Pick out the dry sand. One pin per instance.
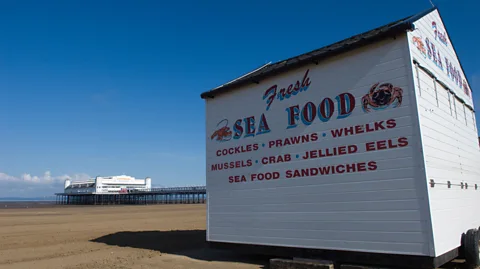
(138, 237)
(163, 236)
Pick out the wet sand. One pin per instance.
(163, 236)
(27, 204)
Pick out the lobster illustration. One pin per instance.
(223, 133)
(420, 46)
(382, 96)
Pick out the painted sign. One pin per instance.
(440, 35)
(313, 147)
(432, 43)
(285, 93)
(380, 96)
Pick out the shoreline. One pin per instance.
(27, 204)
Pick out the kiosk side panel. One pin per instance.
(449, 132)
(321, 157)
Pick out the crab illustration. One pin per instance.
(382, 96)
(420, 46)
(223, 133)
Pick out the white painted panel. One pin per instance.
(364, 246)
(364, 236)
(449, 137)
(356, 201)
(331, 197)
(428, 49)
(352, 226)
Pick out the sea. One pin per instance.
(17, 203)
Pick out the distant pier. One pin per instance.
(176, 195)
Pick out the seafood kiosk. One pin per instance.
(362, 152)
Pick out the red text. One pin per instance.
(265, 176)
(293, 140)
(328, 152)
(237, 150)
(386, 144)
(364, 128)
(332, 169)
(237, 179)
(231, 165)
(277, 159)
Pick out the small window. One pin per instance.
(473, 120)
(455, 106)
(418, 80)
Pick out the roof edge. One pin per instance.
(246, 74)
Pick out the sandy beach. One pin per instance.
(163, 236)
(41, 236)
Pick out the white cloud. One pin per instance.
(76, 177)
(27, 185)
(46, 178)
(5, 177)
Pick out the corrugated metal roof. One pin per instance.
(317, 55)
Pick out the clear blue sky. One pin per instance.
(108, 87)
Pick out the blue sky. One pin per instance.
(107, 87)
